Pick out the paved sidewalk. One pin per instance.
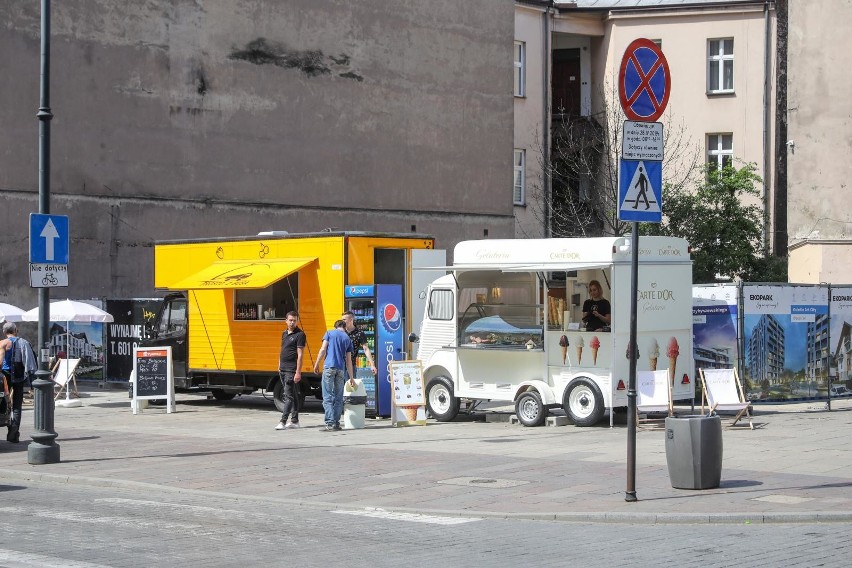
(795, 466)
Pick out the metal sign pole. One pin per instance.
(43, 449)
(632, 348)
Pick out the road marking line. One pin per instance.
(15, 559)
(411, 517)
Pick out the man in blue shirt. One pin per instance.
(338, 352)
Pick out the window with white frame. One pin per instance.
(720, 65)
(520, 69)
(520, 164)
(720, 150)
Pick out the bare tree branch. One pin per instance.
(583, 169)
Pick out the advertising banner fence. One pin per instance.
(788, 341)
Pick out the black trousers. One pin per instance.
(290, 396)
(17, 401)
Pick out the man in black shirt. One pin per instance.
(290, 371)
(359, 339)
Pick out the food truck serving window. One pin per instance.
(272, 302)
(512, 326)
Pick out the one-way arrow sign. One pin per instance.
(49, 234)
(48, 239)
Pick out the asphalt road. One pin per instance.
(48, 525)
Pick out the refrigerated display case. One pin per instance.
(364, 309)
(378, 313)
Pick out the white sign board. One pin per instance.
(642, 141)
(408, 395)
(48, 275)
(153, 376)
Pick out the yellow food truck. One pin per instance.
(225, 315)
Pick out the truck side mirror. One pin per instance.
(412, 337)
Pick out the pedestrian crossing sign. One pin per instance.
(640, 191)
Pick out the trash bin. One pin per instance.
(694, 451)
(354, 403)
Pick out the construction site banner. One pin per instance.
(841, 341)
(715, 315)
(786, 341)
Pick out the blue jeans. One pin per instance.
(332, 394)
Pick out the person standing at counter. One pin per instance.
(596, 310)
(359, 339)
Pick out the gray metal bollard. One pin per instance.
(694, 451)
(43, 449)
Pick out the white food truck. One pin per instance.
(506, 325)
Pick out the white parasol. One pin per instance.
(8, 312)
(68, 311)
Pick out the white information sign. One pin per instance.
(642, 141)
(48, 275)
(409, 400)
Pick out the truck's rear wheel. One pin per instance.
(583, 402)
(530, 410)
(220, 394)
(440, 402)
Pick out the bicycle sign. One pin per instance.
(644, 81)
(48, 275)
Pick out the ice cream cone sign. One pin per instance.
(563, 345)
(595, 344)
(410, 412)
(653, 354)
(580, 344)
(672, 353)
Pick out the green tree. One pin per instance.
(724, 230)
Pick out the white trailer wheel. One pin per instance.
(440, 401)
(530, 410)
(584, 403)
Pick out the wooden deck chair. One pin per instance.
(722, 390)
(654, 394)
(65, 372)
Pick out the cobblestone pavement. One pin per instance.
(796, 466)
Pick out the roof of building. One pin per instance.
(616, 4)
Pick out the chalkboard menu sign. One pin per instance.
(152, 370)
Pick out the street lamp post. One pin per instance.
(43, 449)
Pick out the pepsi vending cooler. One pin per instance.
(378, 313)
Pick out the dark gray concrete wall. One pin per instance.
(184, 119)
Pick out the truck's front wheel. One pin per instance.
(278, 394)
(441, 403)
(583, 402)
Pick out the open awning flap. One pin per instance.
(241, 274)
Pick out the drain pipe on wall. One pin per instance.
(766, 117)
(546, 126)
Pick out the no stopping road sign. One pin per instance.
(644, 81)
